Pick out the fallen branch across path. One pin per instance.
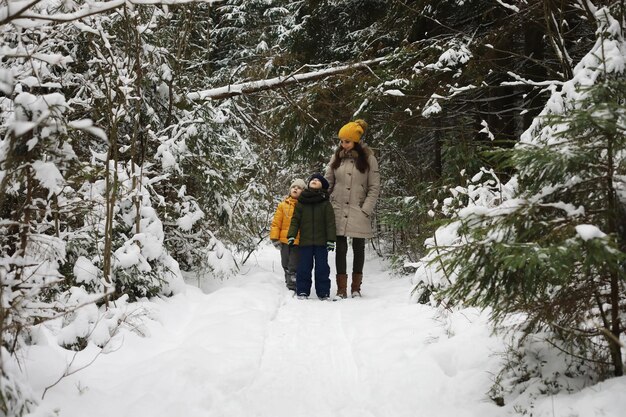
(232, 90)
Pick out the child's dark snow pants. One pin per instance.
(308, 255)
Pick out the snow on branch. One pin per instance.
(519, 80)
(17, 10)
(509, 6)
(232, 90)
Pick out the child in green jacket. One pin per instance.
(314, 218)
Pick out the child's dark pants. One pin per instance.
(309, 255)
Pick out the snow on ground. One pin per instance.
(245, 347)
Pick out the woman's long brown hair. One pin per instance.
(361, 160)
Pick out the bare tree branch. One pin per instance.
(233, 90)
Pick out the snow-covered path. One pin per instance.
(331, 359)
(247, 348)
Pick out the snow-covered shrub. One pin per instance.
(536, 366)
(483, 192)
(16, 397)
(220, 261)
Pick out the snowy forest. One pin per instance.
(146, 142)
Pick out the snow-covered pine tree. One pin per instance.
(37, 201)
(556, 251)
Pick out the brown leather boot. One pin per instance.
(357, 278)
(342, 285)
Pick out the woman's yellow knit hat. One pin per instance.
(353, 131)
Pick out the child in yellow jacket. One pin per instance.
(289, 255)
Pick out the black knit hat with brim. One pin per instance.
(320, 177)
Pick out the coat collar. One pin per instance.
(354, 154)
(290, 200)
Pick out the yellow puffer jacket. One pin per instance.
(282, 220)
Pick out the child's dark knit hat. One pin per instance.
(320, 177)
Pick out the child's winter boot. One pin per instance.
(290, 280)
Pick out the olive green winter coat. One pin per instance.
(314, 218)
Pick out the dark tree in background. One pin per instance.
(472, 76)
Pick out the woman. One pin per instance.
(354, 185)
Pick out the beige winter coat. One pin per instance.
(353, 194)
